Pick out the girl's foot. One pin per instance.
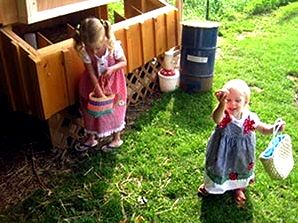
(240, 197)
(116, 143)
(202, 191)
(89, 143)
(112, 146)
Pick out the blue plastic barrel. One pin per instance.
(197, 55)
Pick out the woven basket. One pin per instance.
(98, 107)
(277, 158)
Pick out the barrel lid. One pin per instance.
(202, 24)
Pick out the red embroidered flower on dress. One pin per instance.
(225, 121)
(248, 125)
(233, 176)
(250, 166)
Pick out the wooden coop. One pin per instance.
(39, 68)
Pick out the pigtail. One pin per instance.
(77, 38)
(108, 33)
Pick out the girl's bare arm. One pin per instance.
(267, 129)
(94, 79)
(120, 63)
(218, 112)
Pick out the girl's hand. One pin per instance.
(221, 95)
(98, 92)
(109, 71)
(282, 126)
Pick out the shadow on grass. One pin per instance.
(222, 208)
(188, 111)
(79, 196)
(192, 111)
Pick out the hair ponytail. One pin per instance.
(108, 33)
(77, 37)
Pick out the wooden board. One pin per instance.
(32, 11)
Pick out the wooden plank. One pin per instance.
(121, 36)
(103, 12)
(28, 75)
(179, 13)
(42, 41)
(74, 68)
(4, 42)
(8, 12)
(141, 18)
(129, 12)
(23, 103)
(152, 4)
(28, 10)
(134, 47)
(148, 43)
(118, 17)
(70, 30)
(49, 4)
(171, 24)
(52, 83)
(9, 56)
(160, 35)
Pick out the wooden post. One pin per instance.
(179, 6)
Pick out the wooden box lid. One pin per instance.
(31, 11)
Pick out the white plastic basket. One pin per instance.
(277, 158)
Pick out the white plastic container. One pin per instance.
(169, 83)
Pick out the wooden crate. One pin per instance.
(41, 77)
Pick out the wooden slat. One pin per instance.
(103, 12)
(20, 57)
(171, 29)
(118, 17)
(52, 83)
(160, 35)
(4, 43)
(34, 88)
(70, 30)
(121, 36)
(42, 41)
(148, 43)
(152, 4)
(179, 13)
(28, 11)
(49, 4)
(28, 76)
(134, 47)
(128, 10)
(74, 68)
(8, 12)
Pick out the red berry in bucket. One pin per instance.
(167, 72)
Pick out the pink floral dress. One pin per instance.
(110, 123)
(230, 156)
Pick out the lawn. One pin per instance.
(155, 175)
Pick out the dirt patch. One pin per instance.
(28, 161)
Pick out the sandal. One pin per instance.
(239, 197)
(111, 147)
(202, 191)
(81, 147)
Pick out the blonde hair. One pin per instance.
(240, 86)
(94, 31)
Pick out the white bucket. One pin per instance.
(169, 83)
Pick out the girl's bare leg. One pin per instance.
(116, 140)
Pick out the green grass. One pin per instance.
(162, 159)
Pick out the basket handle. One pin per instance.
(277, 125)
